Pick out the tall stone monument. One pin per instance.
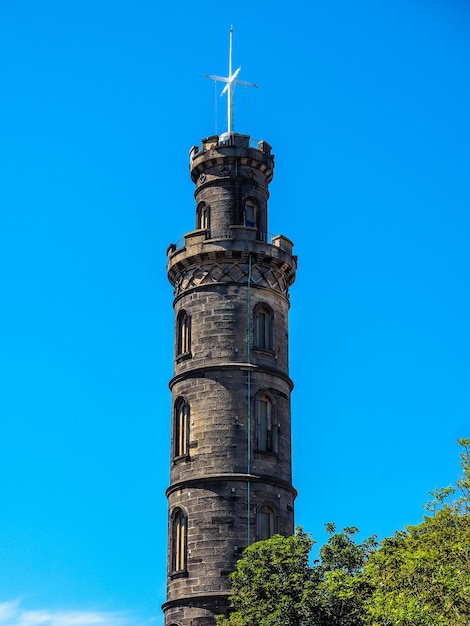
(230, 465)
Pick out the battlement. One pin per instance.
(233, 154)
(238, 233)
(230, 139)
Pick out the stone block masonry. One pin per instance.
(230, 449)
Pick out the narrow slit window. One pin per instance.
(179, 542)
(183, 333)
(267, 433)
(203, 214)
(263, 327)
(181, 428)
(250, 213)
(265, 523)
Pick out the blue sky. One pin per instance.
(366, 105)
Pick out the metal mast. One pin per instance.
(230, 82)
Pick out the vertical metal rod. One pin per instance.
(249, 400)
(230, 87)
(230, 81)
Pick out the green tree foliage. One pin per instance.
(271, 584)
(341, 590)
(418, 577)
(421, 576)
(274, 585)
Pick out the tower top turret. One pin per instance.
(230, 81)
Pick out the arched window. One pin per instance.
(202, 216)
(179, 541)
(183, 333)
(266, 438)
(263, 327)
(265, 522)
(250, 216)
(180, 428)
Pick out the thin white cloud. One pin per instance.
(13, 614)
(7, 611)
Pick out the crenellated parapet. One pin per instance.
(235, 259)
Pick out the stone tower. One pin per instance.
(230, 476)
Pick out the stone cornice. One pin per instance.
(194, 481)
(221, 267)
(199, 372)
(194, 599)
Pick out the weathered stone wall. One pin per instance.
(228, 174)
(219, 425)
(222, 328)
(223, 481)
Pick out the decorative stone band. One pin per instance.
(194, 481)
(230, 273)
(270, 274)
(200, 372)
(196, 599)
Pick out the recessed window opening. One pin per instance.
(263, 327)
(266, 431)
(179, 541)
(265, 522)
(203, 215)
(181, 428)
(250, 213)
(183, 333)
